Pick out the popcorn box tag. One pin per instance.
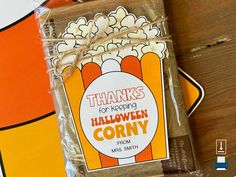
(117, 98)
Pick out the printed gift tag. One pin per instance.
(117, 97)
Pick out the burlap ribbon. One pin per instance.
(98, 38)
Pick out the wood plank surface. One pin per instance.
(204, 34)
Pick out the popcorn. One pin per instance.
(118, 20)
(119, 14)
(86, 29)
(68, 44)
(73, 27)
(158, 48)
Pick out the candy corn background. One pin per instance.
(29, 137)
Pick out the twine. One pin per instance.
(92, 41)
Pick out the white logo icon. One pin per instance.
(221, 147)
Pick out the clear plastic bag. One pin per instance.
(60, 24)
